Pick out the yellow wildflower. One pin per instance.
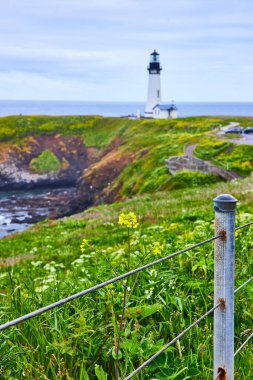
(129, 220)
(157, 248)
(83, 245)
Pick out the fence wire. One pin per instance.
(242, 286)
(244, 344)
(218, 375)
(99, 286)
(120, 277)
(172, 342)
(243, 226)
(182, 334)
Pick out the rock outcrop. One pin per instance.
(179, 163)
(96, 185)
(74, 157)
(12, 177)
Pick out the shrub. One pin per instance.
(185, 179)
(44, 163)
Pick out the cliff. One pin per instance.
(111, 159)
(17, 162)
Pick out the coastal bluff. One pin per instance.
(17, 170)
(110, 159)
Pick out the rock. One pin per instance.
(179, 163)
(74, 157)
(96, 184)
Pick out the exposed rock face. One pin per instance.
(94, 187)
(179, 163)
(13, 177)
(74, 157)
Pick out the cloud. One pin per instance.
(105, 43)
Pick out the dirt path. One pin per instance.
(189, 150)
(229, 174)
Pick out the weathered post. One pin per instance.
(224, 258)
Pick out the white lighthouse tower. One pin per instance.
(154, 84)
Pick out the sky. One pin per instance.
(98, 50)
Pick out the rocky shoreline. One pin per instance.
(20, 209)
(28, 196)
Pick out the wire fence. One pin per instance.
(224, 239)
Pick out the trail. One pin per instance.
(216, 170)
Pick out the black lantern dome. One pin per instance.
(154, 64)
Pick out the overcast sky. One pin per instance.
(99, 49)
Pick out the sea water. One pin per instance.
(117, 109)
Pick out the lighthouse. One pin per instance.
(154, 84)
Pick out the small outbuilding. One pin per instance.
(165, 111)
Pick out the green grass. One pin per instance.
(151, 142)
(68, 342)
(45, 263)
(96, 130)
(210, 148)
(46, 162)
(240, 159)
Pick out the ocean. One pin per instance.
(116, 109)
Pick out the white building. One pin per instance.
(154, 98)
(165, 111)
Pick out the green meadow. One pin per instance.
(108, 333)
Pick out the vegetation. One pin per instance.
(151, 142)
(240, 159)
(14, 128)
(211, 148)
(46, 162)
(108, 333)
(189, 179)
(79, 340)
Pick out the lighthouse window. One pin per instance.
(158, 93)
(154, 58)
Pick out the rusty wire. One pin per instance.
(99, 286)
(244, 344)
(171, 342)
(218, 375)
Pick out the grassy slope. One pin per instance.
(48, 263)
(151, 141)
(66, 344)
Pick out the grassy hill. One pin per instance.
(46, 263)
(136, 148)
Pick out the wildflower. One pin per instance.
(149, 293)
(50, 266)
(153, 273)
(237, 233)
(129, 220)
(36, 263)
(41, 288)
(77, 262)
(83, 245)
(157, 248)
